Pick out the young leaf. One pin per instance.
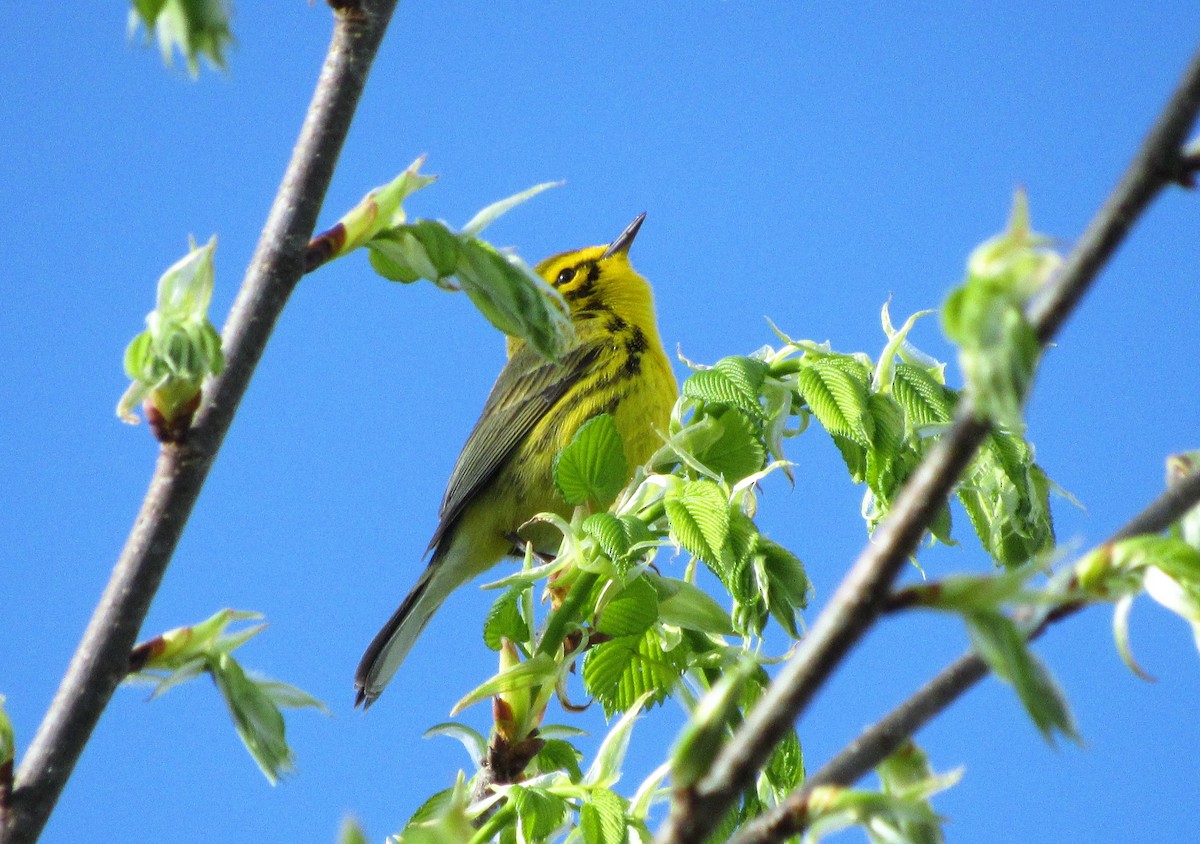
(733, 382)
(631, 612)
(605, 770)
(705, 731)
(592, 468)
(1002, 646)
(255, 717)
(474, 741)
(699, 515)
(536, 671)
(785, 768)
(736, 449)
(836, 392)
(539, 812)
(685, 605)
(925, 400)
(616, 535)
(621, 671)
(493, 212)
(559, 755)
(602, 818)
(504, 620)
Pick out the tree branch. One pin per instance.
(882, 739)
(858, 600)
(102, 657)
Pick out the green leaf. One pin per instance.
(787, 583)
(924, 399)
(735, 450)
(351, 832)
(196, 30)
(616, 535)
(256, 718)
(514, 298)
(8, 742)
(836, 390)
(785, 768)
(474, 741)
(605, 769)
(602, 818)
(685, 605)
(619, 672)
(1002, 646)
(504, 620)
(704, 734)
(493, 212)
(1007, 498)
(699, 515)
(631, 612)
(733, 381)
(592, 468)
(539, 812)
(855, 457)
(535, 671)
(559, 755)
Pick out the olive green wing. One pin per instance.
(526, 389)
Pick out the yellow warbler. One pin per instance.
(503, 476)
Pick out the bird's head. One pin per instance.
(598, 282)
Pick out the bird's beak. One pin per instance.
(624, 239)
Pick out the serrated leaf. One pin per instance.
(592, 468)
(602, 818)
(630, 612)
(685, 605)
(887, 424)
(618, 672)
(699, 515)
(616, 535)
(837, 398)
(1002, 646)
(925, 401)
(504, 620)
(854, 456)
(787, 583)
(733, 382)
(609, 533)
(539, 812)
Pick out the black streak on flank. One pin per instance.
(636, 344)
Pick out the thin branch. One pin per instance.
(882, 739)
(858, 600)
(102, 658)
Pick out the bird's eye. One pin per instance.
(565, 275)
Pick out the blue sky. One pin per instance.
(794, 161)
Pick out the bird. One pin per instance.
(504, 474)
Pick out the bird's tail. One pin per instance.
(391, 645)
